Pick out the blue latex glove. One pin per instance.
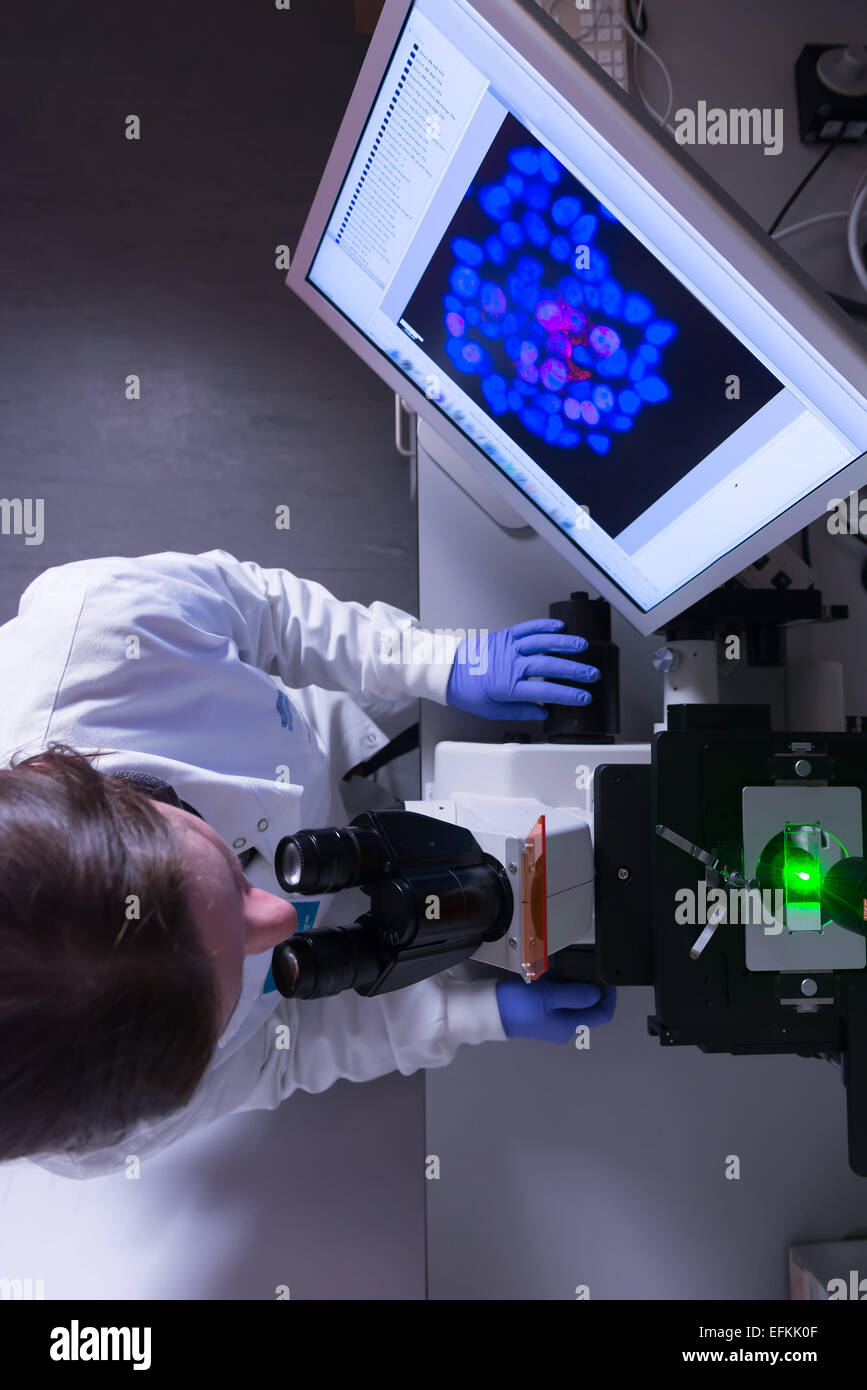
(552, 1010)
(499, 679)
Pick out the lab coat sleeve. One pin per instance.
(296, 630)
(348, 1036)
(307, 1045)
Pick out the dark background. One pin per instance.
(668, 437)
(157, 257)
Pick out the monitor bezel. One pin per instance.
(689, 189)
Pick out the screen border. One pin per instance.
(690, 191)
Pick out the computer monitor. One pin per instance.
(596, 328)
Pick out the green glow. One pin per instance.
(800, 872)
(795, 860)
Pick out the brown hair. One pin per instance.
(106, 1018)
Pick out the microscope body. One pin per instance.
(720, 864)
(530, 806)
(582, 856)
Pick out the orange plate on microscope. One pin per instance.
(534, 903)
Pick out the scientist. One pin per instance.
(165, 722)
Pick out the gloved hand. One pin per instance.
(552, 1010)
(498, 682)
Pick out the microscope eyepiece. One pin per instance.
(327, 860)
(435, 897)
(313, 964)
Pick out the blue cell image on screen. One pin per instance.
(534, 310)
(575, 340)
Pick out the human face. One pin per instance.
(233, 918)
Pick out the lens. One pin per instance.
(328, 960)
(291, 864)
(288, 975)
(324, 861)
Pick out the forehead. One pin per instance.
(206, 860)
(215, 904)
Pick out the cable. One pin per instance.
(635, 28)
(637, 22)
(809, 222)
(855, 255)
(853, 216)
(802, 185)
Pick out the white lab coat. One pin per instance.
(251, 692)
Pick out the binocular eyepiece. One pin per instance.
(435, 896)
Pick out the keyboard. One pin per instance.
(601, 31)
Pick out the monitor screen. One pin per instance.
(552, 305)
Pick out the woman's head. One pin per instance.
(124, 924)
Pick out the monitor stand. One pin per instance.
(468, 480)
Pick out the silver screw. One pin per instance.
(664, 659)
(513, 868)
(808, 987)
(803, 768)
(513, 942)
(623, 874)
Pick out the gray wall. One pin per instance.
(157, 258)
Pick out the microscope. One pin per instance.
(721, 862)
